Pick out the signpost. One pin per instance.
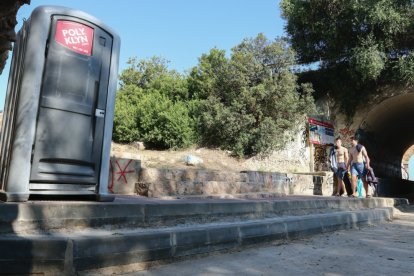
(321, 133)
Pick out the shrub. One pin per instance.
(153, 117)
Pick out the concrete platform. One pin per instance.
(60, 237)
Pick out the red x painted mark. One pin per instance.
(123, 172)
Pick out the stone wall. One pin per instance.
(298, 155)
(8, 12)
(294, 157)
(125, 174)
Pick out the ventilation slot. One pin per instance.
(67, 162)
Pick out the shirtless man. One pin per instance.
(359, 168)
(342, 157)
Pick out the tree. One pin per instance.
(359, 44)
(153, 105)
(244, 103)
(251, 98)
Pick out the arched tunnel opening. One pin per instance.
(387, 134)
(408, 159)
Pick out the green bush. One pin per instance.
(153, 117)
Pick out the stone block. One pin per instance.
(176, 210)
(310, 225)
(240, 208)
(208, 188)
(338, 204)
(161, 188)
(334, 222)
(285, 205)
(202, 176)
(198, 188)
(189, 175)
(235, 187)
(195, 241)
(141, 189)
(321, 204)
(31, 255)
(93, 215)
(241, 177)
(97, 252)
(224, 188)
(255, 233)
(185, 188)
(123, 174)
(215, 186)
(311, 204)
(357, 203)
(303, 184)
(220, 176)
(246, 187)
(13, 212)
(374, 202)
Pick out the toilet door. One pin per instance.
(70, 124)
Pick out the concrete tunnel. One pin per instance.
(387, 132)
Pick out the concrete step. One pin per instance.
(82, 251)
(224, 196)
(152, 174)
(136, 211)
(178, 189)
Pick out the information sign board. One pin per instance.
(321, 133)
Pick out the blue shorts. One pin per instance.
(340, 169)
(359, 169)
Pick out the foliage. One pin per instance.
(152, 106)
(153, 74)
(359, 43)
(251, 98)
(243, 103)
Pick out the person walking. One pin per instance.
(357, 154)
(338, 157)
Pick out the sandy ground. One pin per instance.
(385, 249)
(214, 159)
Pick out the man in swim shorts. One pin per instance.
(341, 154)
(356, 155)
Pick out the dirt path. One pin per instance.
(386, 249)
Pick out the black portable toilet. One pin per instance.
(59, 109)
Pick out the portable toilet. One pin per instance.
(59, 108)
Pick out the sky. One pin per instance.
(180, 30)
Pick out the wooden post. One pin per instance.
(312, 161)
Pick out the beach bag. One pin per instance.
(360, 188)
(346, 178)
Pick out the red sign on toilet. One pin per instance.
(75, 36)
